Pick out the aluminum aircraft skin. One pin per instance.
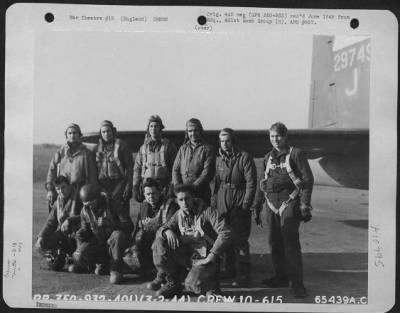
(337, 140)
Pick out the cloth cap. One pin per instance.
(157, 119)
(227, 131)
(193, 122)
(75, 126)
(230, 132)
(108, 124)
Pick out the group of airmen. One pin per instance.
(195, 213)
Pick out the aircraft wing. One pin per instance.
(316, 142)
(339, 157)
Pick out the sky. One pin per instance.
(237, 80)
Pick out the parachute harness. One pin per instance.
(296, 181)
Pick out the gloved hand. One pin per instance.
(306, 213)
(127, 193)
(85, 233)
(51, 196)
(65, 226)
(137, 194)
(257, 214)
(39, 243)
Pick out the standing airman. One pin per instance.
(74, 161)
(286, 189)
(233, 195)
(154, 159)
(114, 167)
(195, 161)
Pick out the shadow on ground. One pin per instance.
(356, 223)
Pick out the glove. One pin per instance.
(137, 194)
(65, 226)
(84, 234)
(306, 214)
(256, 211)
(39, 243)
(127, 193)
(51, 196)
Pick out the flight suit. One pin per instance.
(154, 160)
(195, 165)
(200, 232)
(115, 167)
(78, 166)
(148, 221)
(100, 240)
(233, 195)
(62, 210)
(283, 230)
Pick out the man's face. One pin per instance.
(277, 140)
(185, 201)
(154, 130)
(226, 143)
(193, 133)
(152, 195)
(72, 135)
(64, 190)
(107, 133)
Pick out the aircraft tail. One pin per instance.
(339, 96)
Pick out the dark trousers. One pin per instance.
(284, 238)
(144, 250)
(168, 260)
(117, 243)
(59, 240)
(89, 254)
(115, 189)
(237, 255)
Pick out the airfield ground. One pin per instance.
(334, 246)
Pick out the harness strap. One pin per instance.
(100, 155)
(85, 162)
(286, 165)
(144, 158)
(57, 161)
(164, 210)
(159, 157)
(162, 152)
(296, 181)
(117, 146)
(284, 204)
(59, 209)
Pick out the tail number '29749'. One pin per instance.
(348, 57)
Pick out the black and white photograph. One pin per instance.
(200, 158)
